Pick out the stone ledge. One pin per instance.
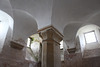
(71, 50)
(16, 45)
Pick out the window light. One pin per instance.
(90, 37)
(61, 44)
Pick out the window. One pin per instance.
(90, 37)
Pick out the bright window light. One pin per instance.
(90, 37)
(28, 42)
(61, 44)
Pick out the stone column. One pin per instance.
(51, 47)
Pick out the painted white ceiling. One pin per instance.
(6, 7)
(73, 11)
(65, 15)
(41, 10)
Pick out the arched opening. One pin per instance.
(34, 48)
(89, 38)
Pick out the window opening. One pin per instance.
(90, 37)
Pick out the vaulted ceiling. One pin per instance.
(67, 16)
(58, 13)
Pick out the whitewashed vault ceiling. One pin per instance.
(67, 16)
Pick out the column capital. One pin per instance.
(50, 34)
